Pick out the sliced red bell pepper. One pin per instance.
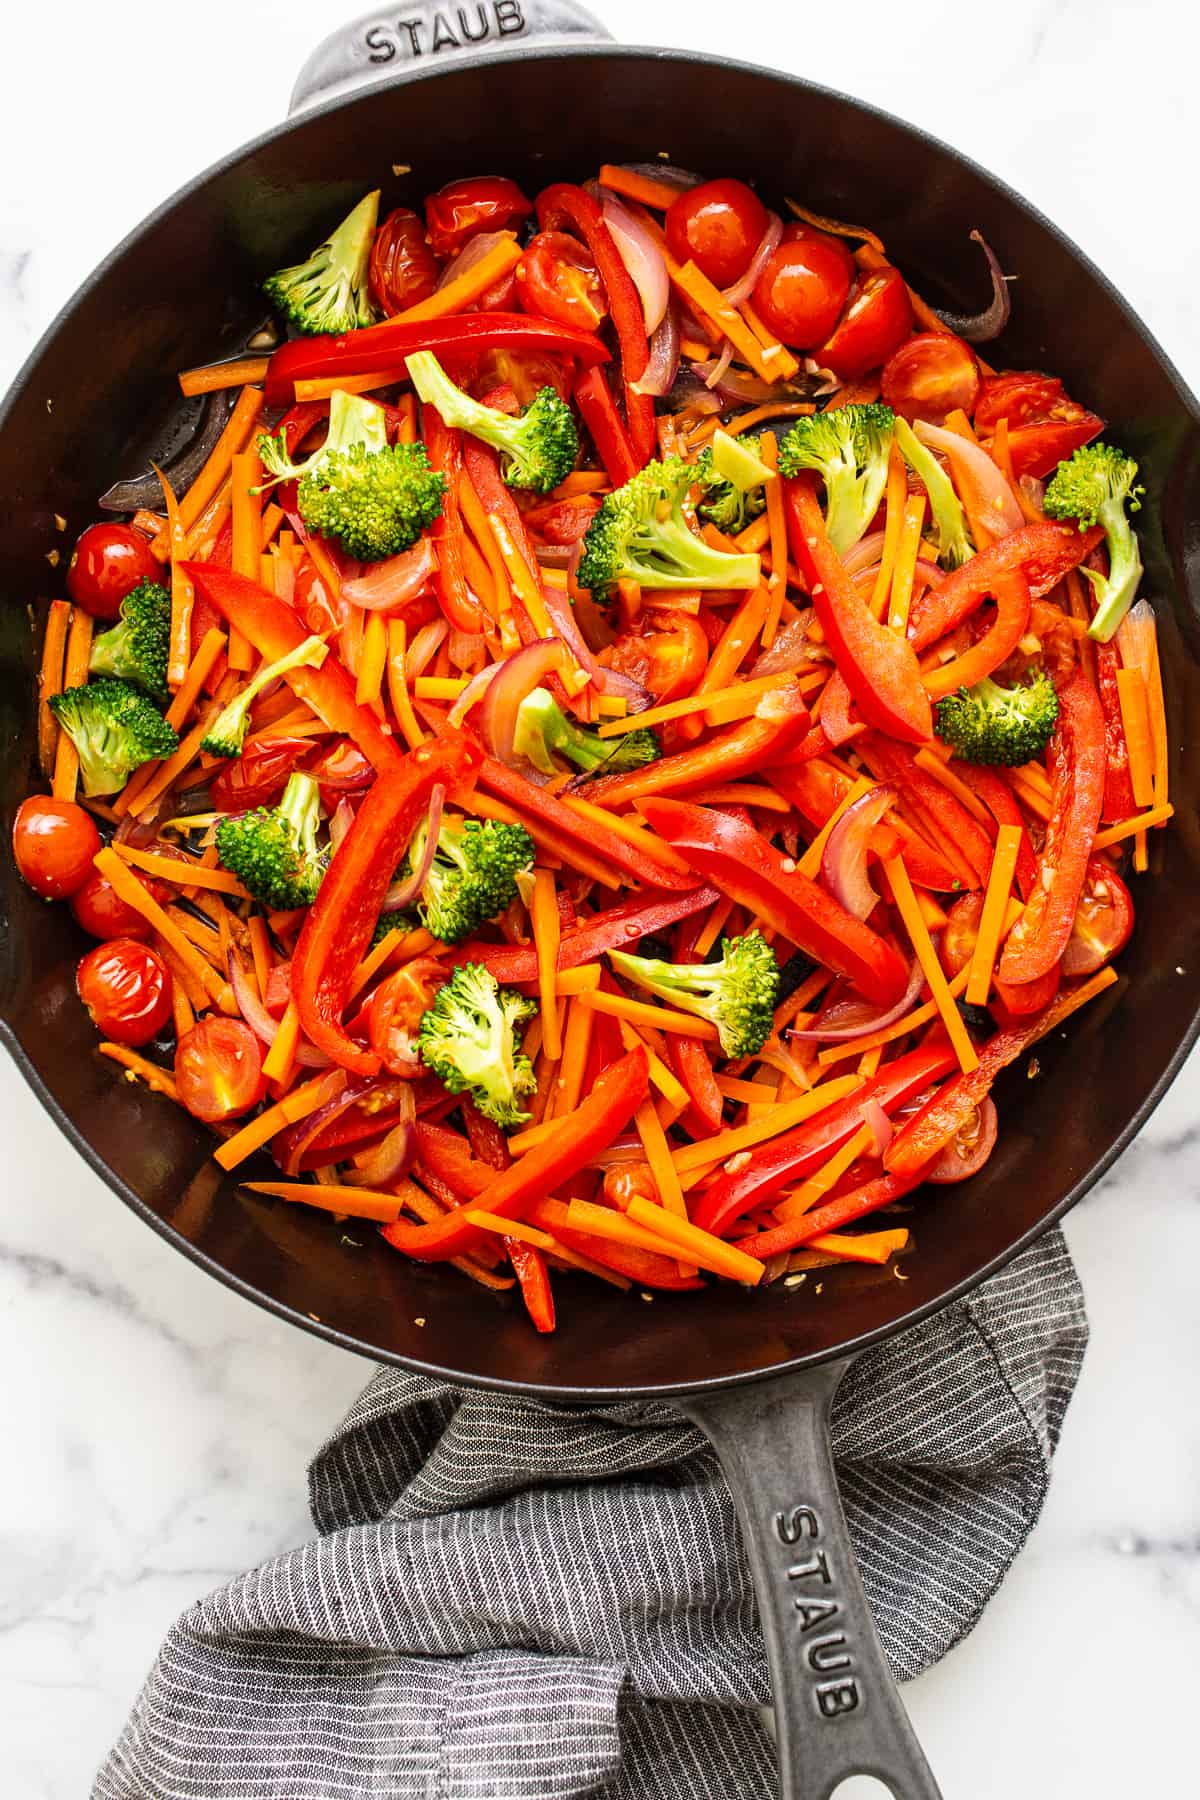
(274, 629)
(622, 925)
(1077, 761)
(778, 724)
(930, 1129)
(833, 1216)
(1010, 591)
(444, 448)
(1043, 553)
(748, 868)
(834, 712)
(482, 464)
(340, 921)
(797, 1153)
(565, 207)
(529, 1267)
(1011, 1003)
(997, 796)
(598, 411)
(575, 1139)
(895, 763)
(451, 1159)
(689, 1059)
(816, 788)
(485, 1137)
(1119, 802)
(386, 346)
(878, 666)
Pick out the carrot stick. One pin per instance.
(352, 1202)
(927, 956)
(50, 680)
(991, 920)
(577, 1042)
(749, 692)
(238, 426)
(897, 495)
(321, 387)
(607, 1222)
(546, 838)
(809, 864)
(215, 376)
(711, 304)
(399, 946)
(657, 194)
(803, 1198)
(397, 679)
(369, 691)
(277, 1063)
(75, 674)
(1113, 834)
(245, 474)
(1002, 457)
(1135, 718)
(299, 1104)
(778, 1118)
(139, 897)
(198, 670)
(519, 576)
(464, 289)
(628, 828)
(907, 551)
(136, 1065)
(477, 522)
(547, 933)
(941, 771)
(180, 650)
(777, 580)
(700, 1246)
(661, 1018)
(182, 874)
(136, 800)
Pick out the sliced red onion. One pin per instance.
(472, 252)
(663, 366)
(474, 691)
(869, 1021)
(340, 823)
(259, 1019)
(866, 553)
(791, 649)
(667, 173)
(642, 258)
(518, 675)
(348, 1095)
(606, 681)
(424, 647)
(880, 1125)
(394, 582)
(392, 1157)
(827, 382)
(737, 384)
(717, 373)
(844, 864)
(767, 246)
(1033, 489)
(403, 893)
(982, 327)
(970, 463)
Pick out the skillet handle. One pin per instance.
(417, 37)
(837, 1709)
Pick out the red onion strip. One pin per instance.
(877, 1022)
(403, 893)
(642, 258)
(971, 463)
(767, 246)
(396, 581)
(874, 1116)
(844, 863)
(720, 367)
(982, 327)
(518, 675)
(390, 1158)
(260, 1021)
(424, 647)
(605, 681)
(472, 252)
(340, 823)
(474, 691)
(663, 366)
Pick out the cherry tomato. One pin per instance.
(403, 268)
(455, 213)
(969, 1148)
(310, 598)
(718, 226)
(106, 563)
(342, 769)
(126, 988)
(394, 1014)
(875, 323)
(1038, 449)
(1022, 397)
(103, 914)
(259, 775)
(557, 279)
(1103, 921)
(801, 292)
(54, 842)
(524, 374)
(218, 1069)
(799, 231)
(501, 296)
(1045, 424)
(669, 663)
(930, 376)
(561, 521)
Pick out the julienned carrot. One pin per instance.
(547, 932)
(139, 897)
(179, 653)
(245, 475)
(138, 1067)
(464, 289)
(299, 1104)
(700, 1246)
(135, 799)
(810, 863)
(1114, 834)
(745, 694)
(711, 304)
(657, 194)
(662, 1018)
(606, 1222)
(927, 956)
(991, 919)
(630, 830)
(321, 387)
(904, 571)
(744, 1137)
(182, 873)
(397, 678)
(50, 680)
(777, 526)
(277, 1063)
(369, 691)
(75, 674)
(673, 1092)
(204, 488)
(866, 1246)
(348, 1202)
(803, 1198)
(198, 671)
(1135, 718)
(215, 376)
(577, 1041)
(895, 498)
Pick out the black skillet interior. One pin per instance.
(183, 291)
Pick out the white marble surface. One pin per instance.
(155, 1427)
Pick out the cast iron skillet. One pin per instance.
(183, 289)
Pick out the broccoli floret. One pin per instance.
(473, 875)
(227, 733)
(1094, 487)
(725, 505)
(273, 850)
(115, 729)
(544, 729)
(537, 450)
(641, 534)
(374, 497)
(737, 993)
(949, 519)
(137, 647)
(329, 291)
(992, 724)
(849, 448)
(469, 1041)
(388, 921)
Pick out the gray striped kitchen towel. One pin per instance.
(508, 1601)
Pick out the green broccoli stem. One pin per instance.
(300, 808)
(691, 562)
(229, 728)
(954, 541)
(1117, 594)
(353, 420)
(458, 410)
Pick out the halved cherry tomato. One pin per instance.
(1013, 1002)
(54, 842)
(1023, 397)
(1103, 921)
(106, 563)
(394, 1014)
(126, 988)
(218, 1069)
(718, 226)
(874, 324)
(970, 1146)
(500, 297)
(103, 914)
(930, 376)
(1045, 424)
(456, 212)
(403, 268)
(801, 292)
(1038, 449)
(524, 373)
(259, 775)
(667, 662)
(557, 279)
(342, 769)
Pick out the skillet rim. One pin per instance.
(553, 1392)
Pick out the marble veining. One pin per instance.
(155, 1426)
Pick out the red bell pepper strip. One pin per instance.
(745, 866)
(833, 1216)
(564, 207)
(1076, 755)
(997, 796)
(482, 464)
(529, 1267)
(340, 921)
(485, 1137)
(274, 629)
(450, 1159)
(620, 926)
(833, 711)
(689, 1059)
(779, 722)
(895, 763)
(815, 788)
(299, 420)
(1043, 553)
(795, 1154)
(922, 1137)
(1010, 591)
(595, 402)
(444, 449)
(575, 1140)
(1119, 802)
(879, 667)
(496, 778)
(1012, 1002)
(386, 346)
